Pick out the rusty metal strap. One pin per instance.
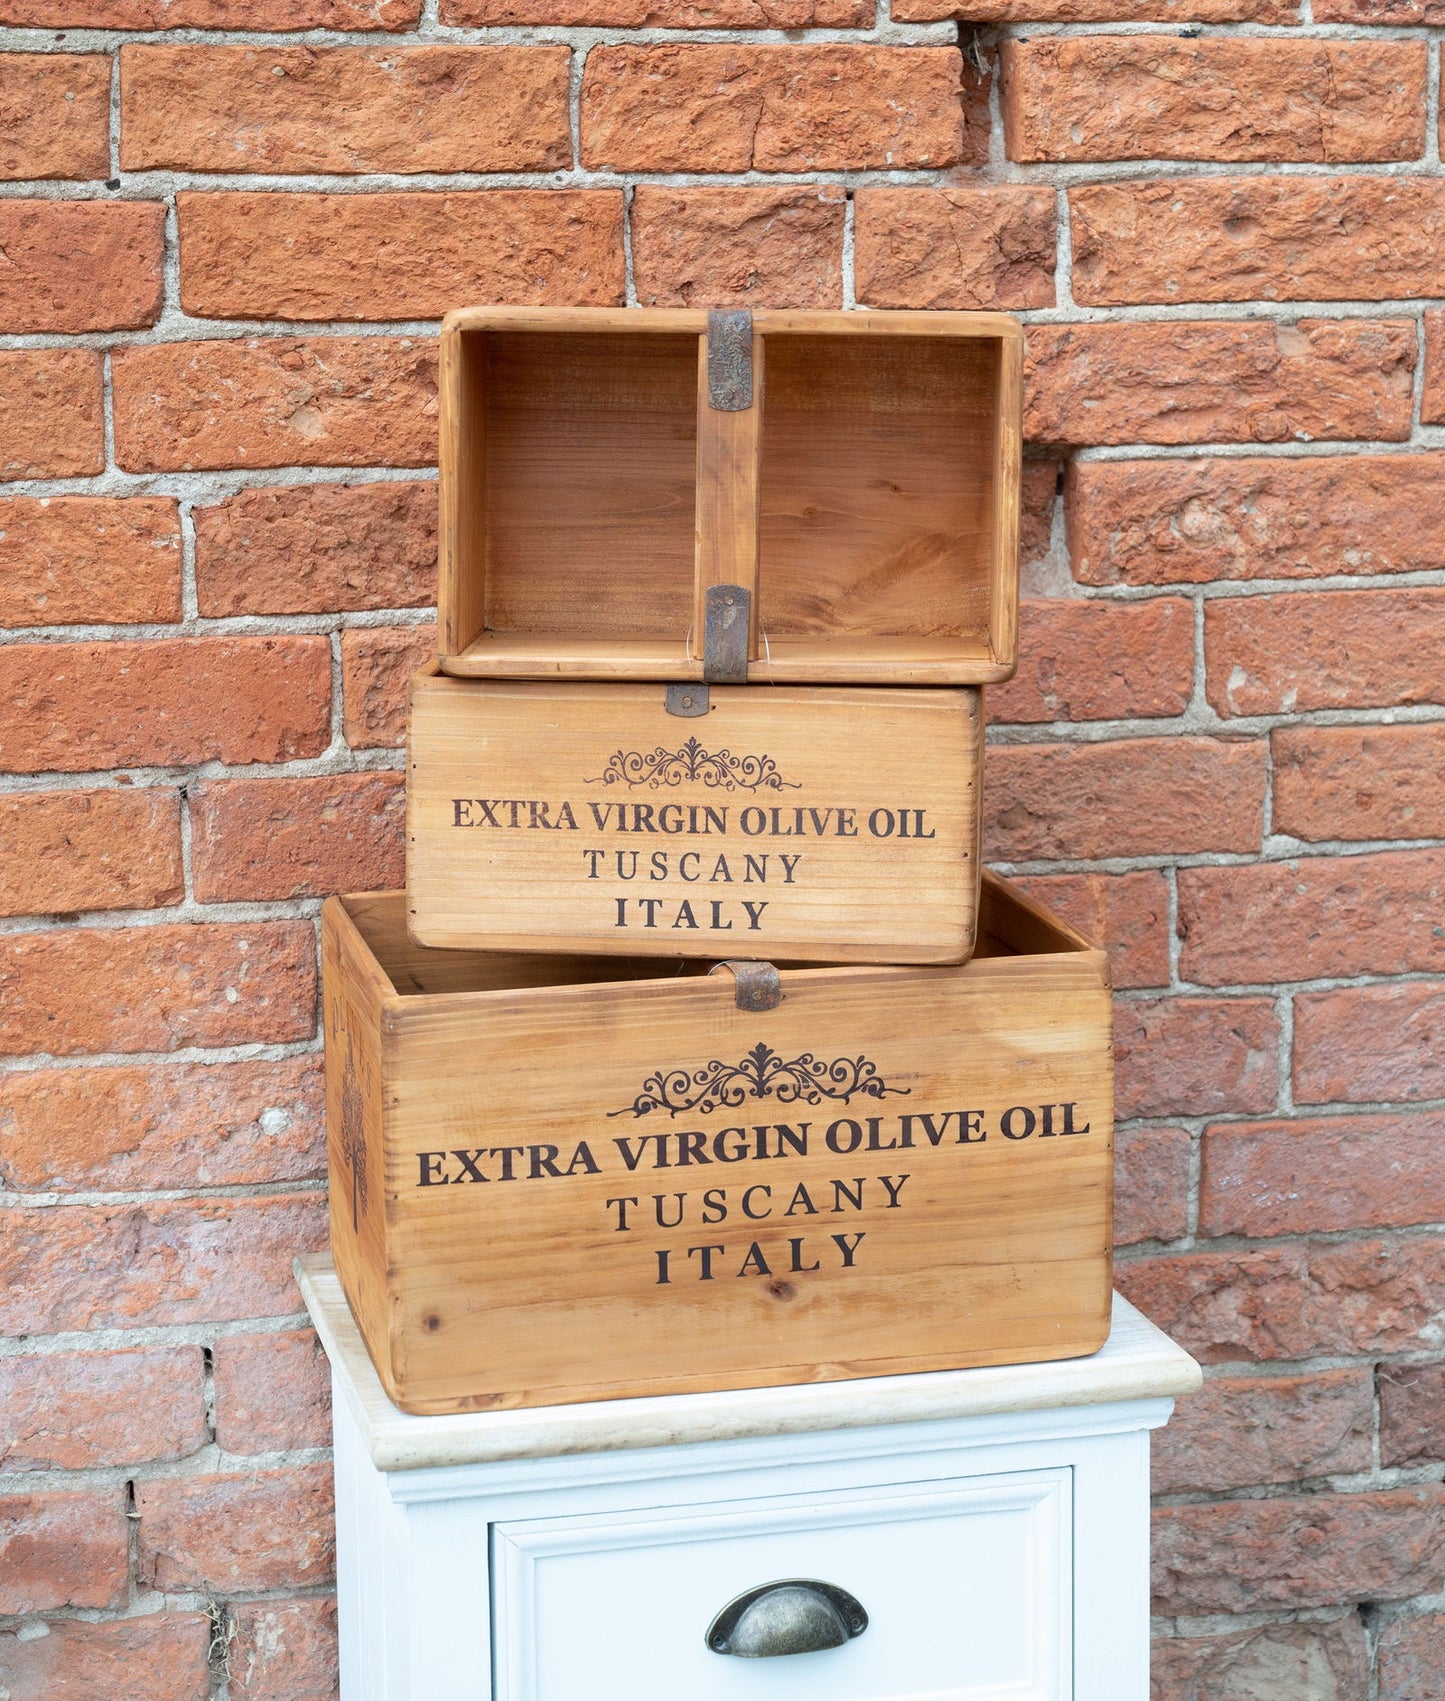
(758, 984)
(730, 360)
(725, 625)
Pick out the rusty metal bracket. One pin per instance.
(758, 985)
(686, 700)
(726, 617)
(730, 359)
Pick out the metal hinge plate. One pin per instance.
(687, 700)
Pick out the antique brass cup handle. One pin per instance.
(796, 1616)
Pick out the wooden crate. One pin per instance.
(866, 498)
(567, 1178)
(829, 822)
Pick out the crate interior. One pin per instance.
(588, 472)
(878, 492)
(1010, 927)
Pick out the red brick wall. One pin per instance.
(228, 229)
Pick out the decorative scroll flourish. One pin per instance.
(353, 1135)
(762, 1073)
(718, 769)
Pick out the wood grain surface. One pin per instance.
(820, 822)
(590, 495)
(572, 1191)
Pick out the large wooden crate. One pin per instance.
(855, 474)
(565, 1178)
(829, 822)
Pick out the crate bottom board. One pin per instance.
(1082, 1339)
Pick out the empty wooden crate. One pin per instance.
(834, 822)
(855, 475)
(572, 1178)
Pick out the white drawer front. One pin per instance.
(966, 1585)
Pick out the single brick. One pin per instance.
(1359, 782)
(72, 1659)
(398, 256)
(73, 1411)
(992, 247)
(1100, 11)
(1195, 1056)
(1038, 498)
(1195, 521)
(1285, 1662)
(1317, 917)
(736, 107)
(1219, 382)
(1295, 1300)
(377, 665)
(1412, 1412)
(1213, 98)
(284, 1651)
(1083, 661)
(251, 1531)
(54, 111)
(60, 1550)
(65, 851)
(154, 702)
(778, 247)
(663, 14)
(1289, 654)
(1124, 797)
(1411, 1650)
(297, 838)
(1322, 1174)
(1395, 13)
(136, 1127)
(1258, 239)
(279, 15)
(1151, 1184)
(1128, 914)
(1241, 1431)
(80, 265)
(1432, 401)
(1294, 1553)
(208, 107)
(82, 560)
(83, 1267)
(276, 402)
(156, 988)
(1370, 1044)
(273, 1392)
(51, 413)
(313, 548)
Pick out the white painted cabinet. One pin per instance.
(990, 1525)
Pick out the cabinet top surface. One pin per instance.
(1138, 1362)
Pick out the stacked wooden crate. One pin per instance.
(719, 595)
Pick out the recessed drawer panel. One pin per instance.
(965, 1586)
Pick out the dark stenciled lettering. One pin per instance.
(759, 1202)
(725, 1146)
(690, 867)
(706, 1263)
(533, 813)
(1020, 1121)
(504, 1163)
(936, 1128)
(714, 915)
(696, 1148)
(693, 820)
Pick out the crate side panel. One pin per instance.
(821, 823)
(621, 1190)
